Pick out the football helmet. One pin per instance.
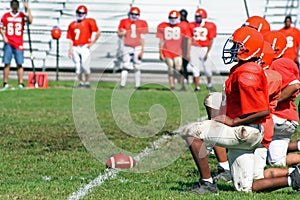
(244, 44)
(200, 14)
(81, 12)
(267, 55)
(134, 13)
(278, 42)
(174, 17)
(259, 23)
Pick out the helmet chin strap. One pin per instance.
(80, 18)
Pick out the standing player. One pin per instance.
(12, 30)
(185, 51)
(239, 128)
(292, 35)
(204, 33)
(131, 30)
(170, 36)
(80, 35)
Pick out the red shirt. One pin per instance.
(134, 30)
(289, 73)
(14, 28)
(292, 35)
(203, 33)
(172, 36)
(81, 32)
(246, 91)
(274, 88)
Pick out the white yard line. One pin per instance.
(112, 173)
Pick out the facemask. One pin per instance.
(134, 17)
(173, 21)
(198, 20)
(80, 17)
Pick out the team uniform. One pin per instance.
(80, 32)
(292, 35)
(246, 92)
(285, 115)
(133, 46)
(203, 33)
(14, 27)
(172, 35)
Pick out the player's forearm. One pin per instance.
(97, 36)
(288, 91)
(248, 119)
(30, 18)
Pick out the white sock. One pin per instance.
(124, 74)
(298, 145)
(225, 165)
(208, 180)
(137, 75)
(289, 181)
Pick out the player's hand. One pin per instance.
(26, 5)
(140, 56)
(121, 32)
(161, 57)
(205, 57)
(70, 53)
(224, 119)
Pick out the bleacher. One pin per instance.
(49, 13)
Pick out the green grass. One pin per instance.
(44, 157)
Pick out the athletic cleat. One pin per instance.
(203, 187)
(295, 176)
(182, 89)
(172, 88)
(5, 85)
(223, 174)
(197, 90)
(87, 85)
(80, 85)
(211, 89)
(21, 85)
(122, 87)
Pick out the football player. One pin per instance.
(12, 30)
(80, 33)
(203, 34)
(285, 115)
(131, 30)
(171, 35)
(238, 127)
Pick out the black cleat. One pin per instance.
(203, 187)
(223, 174)
(295, 176)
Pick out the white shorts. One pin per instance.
(82, 59)
(213, 100)
(283, 130)
(241, 142)
(130, 57)
(197, 61)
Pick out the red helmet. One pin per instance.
(267, 55)
(245, 43)
(81, 12)
(259, 23)
(201, 12)
(56, 33)
(174, 14)
(134, 10)
(82, 9)
(278, 42)
(174, 17)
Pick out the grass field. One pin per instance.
(51, 147)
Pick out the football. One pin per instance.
(121, 161)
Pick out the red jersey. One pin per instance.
(289, 72)
(292, 35)
(173, 36)
(81, 32)
(134, 30)
(14, 28)
(203, 33)
(274, 88)
(246, 91)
